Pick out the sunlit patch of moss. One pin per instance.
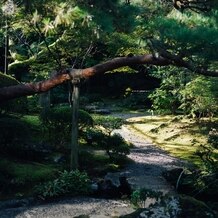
(21, 177)
(32, 120)
(27, 172)
(180, 137)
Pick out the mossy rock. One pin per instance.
(193, 208)
(173, 175)
(189, 207)
(187, 183)
(135, 214)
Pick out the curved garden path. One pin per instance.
(149, 162)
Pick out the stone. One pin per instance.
(59, 159)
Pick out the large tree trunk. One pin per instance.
(62, 76)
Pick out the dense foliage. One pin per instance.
(191, 95)
(58, 122)
(103, 137)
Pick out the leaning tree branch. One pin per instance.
(176, 60)
(164, 59)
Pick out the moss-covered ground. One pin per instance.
(180, 136)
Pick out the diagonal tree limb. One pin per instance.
(164, 59)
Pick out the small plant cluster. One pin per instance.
(139, 197)
(164, 206)
(67, 183)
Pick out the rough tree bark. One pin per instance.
(11, 92)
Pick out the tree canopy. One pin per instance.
(53, 41)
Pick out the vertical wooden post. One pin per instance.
(74, 133)
(6, 48)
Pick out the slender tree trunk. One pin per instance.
(74, 134)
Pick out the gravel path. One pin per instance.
(95, 208)
(149, 163)
(146, 171)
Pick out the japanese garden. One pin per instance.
(109, 108)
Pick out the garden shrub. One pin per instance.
(67, 183)
(199, 97)
(109, 123)
(114, 145)
(57, 116)
(85, 120)
(166, 98)
(94, 136)
(58, 121)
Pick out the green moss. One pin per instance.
(27, 172)
(20, 178)
(180, 137)
(32, 120)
